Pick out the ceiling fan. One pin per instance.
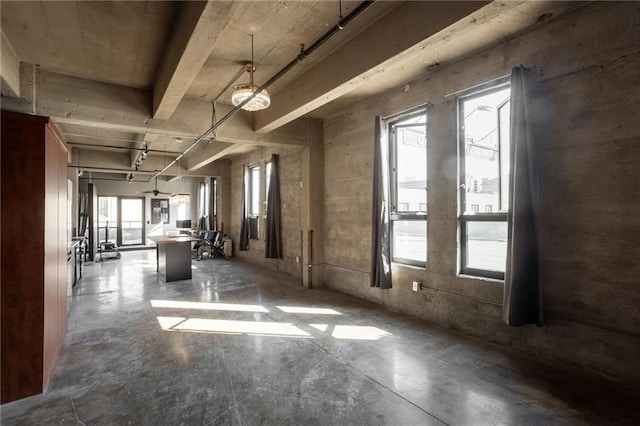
(155, 191)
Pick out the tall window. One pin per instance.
(254, 200)
(267, 179)
(484, 173)
(203, 200)
(408, 156)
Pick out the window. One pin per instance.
(254, 201)
(121, 220)
(107, 219)
(267, 180)
(254, 190)
(403, 207)
(214, 203)
(484, 173)
(203, 204)
(408, 157)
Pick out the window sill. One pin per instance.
(478, 278)
(404, 265)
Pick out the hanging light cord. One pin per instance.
(252, 66)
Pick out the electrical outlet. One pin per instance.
(416, 286)
(297, 259)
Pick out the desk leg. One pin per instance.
(157, 258)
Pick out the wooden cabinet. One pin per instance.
(33, 252)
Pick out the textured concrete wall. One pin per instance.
(290, 195)
(587, 64)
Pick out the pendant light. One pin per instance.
(241, 92)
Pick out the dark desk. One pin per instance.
(173, 256)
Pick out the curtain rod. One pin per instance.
(477, 86)
(413, 109)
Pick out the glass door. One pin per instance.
(107, 219)
(131, 221)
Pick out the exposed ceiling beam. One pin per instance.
(9, 68)
(208, 154)
(92, 104)
(194, 37)
(355, 62)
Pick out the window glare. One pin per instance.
(255, 190)
(487, 246)
(483, 185)
(410, 240)
(411, 149)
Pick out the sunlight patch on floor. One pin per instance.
(307, 310)
(180, 304)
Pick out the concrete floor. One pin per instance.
(252, 347)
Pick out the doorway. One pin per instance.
(121, 220)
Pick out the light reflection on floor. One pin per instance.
(308, 310)
(180, 304)
(257, 326)
(206, 325)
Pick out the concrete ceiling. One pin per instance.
(117, 75)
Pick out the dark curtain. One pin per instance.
(523, 293)
(244, 219)
(212, 205)
(273, 249)
(380, 233)
(83, 213)
(202, 220)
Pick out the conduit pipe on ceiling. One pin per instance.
(128, 148)
(109, 170)
(304, 53)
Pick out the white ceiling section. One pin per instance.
(118, 75)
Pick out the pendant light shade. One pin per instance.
(241, 92)
(244, 91)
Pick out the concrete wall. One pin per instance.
(587, 64)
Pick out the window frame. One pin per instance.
(251, 189)
(465, 219)
(402, 215)
(254, 226)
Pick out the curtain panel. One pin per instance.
(202, 220)
(523, 293)
(244, 215)
(213, 222)
(380, 232)
(273, 243)
(83, 213)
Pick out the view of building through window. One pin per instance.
(484, 175)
